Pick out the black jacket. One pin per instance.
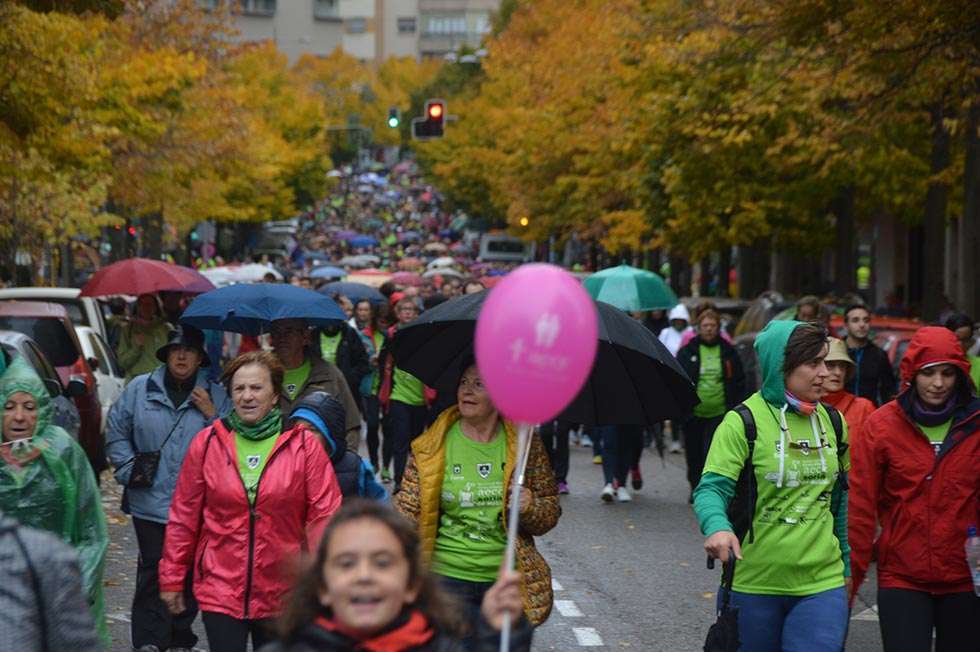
(733, 375)
(874, 377)
(352, 358)
(317, 639)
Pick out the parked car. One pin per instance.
(501, 248)
(83, 311)
(48, 324)
(109, 378)
(64, 412)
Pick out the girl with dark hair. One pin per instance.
(368, 589)
(790, 509)
(916, 479)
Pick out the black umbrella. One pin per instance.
(723, 634)
(634, 379)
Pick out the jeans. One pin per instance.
(782, 623)
(554, 436)
(371, 407)
(908, 618)
(698, 432)
(469, 597)
(151, 621)
(405, 423)
(621, 447)
(227, 634)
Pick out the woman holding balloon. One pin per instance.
(455, 489)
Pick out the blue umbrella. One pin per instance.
(327, 271)
(251, 307)
(353, 291)
(363, 241)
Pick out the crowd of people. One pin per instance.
(252, 506)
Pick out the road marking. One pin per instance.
(568, 609)
(555, 585)
(587, 636)
(868, 614)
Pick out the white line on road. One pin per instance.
(555, 585)
(568, 608)
(868, 614)
(587, 636)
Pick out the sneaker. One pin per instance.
(563, 488)
(675, 447)
(597, 459)
(149, 648)
(607, 493)
(636, 478)
(385, 476)
(586, 441)
(623, 495)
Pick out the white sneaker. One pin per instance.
(675, 447)
(623, 495)
(607, 493)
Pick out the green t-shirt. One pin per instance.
(470, 540)
(711, 389)
(328, 346)
(407, 388)
(294, 379)
(936, 434)
(252, 458)
(795, 551)
(974, 369)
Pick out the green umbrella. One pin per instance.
(631, 289)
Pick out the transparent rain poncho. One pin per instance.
(46, 482)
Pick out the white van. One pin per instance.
(500, 248)
(83, 311)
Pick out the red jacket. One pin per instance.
(238, 553)
(923, 500)
(854, 408)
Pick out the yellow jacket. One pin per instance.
(419, 500)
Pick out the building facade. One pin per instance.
(447, 25)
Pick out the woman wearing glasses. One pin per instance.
(790, 509)
(46, 481)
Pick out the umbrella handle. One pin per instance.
(523, 448)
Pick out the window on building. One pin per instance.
(208, 4)
(445, 24)
(355, 25)
(406, 25)
(259, 7)
(481, 24)
(326, 9)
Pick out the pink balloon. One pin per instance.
(536, 339)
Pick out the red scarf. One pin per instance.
(414, 632)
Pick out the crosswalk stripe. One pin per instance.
(568, 608)
(587, 636)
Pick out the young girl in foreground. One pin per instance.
(368, 590)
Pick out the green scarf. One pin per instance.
(269, 425)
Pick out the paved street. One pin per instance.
(627, 576)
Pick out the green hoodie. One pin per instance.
(56, 491)
(800, 524)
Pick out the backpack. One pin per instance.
(741, 509)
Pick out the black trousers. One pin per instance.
(554, 436)
(227, 634)
(405, 423)
(698, 432)
(908, 618)
(621, 448)
(371, 408)
(152, 623)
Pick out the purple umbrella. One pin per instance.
(345, 235)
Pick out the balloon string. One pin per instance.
(523, 450)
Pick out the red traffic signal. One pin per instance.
(431, 124)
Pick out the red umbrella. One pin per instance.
(409, 263)
(136, 276)
(406, 278)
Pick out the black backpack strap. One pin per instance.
(837, 421)
(741, 511)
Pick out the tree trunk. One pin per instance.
(153, 236)
(934, 220)
(967, 289)
(753, 269)
(724, 265)
(845, 252)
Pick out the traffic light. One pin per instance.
(394, 117)
(431, 124)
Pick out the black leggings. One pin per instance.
(371, 408)
(908, 618)
(227, 634)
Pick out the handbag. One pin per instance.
(146, 463)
